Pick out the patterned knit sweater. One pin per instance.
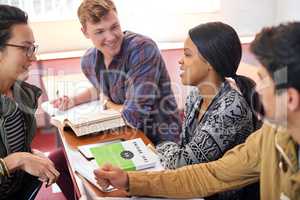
(227, 122)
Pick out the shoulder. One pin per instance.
(264, 137)
(232, 109)
(141, 53)
(232, 99)
(28, 88)
(27, 92)
(270, 129)
(135, 42)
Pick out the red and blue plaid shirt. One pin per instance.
(138, 79)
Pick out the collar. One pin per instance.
(25, 94)
(287, 148)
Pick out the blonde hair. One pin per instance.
(94, 10)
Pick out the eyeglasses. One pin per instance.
(30, 50)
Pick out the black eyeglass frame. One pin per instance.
(30, 50)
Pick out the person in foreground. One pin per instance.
(21, 168)
(270, 155)
(128, 72)
(218, 116)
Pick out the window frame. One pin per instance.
(67, 9)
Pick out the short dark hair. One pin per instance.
(278, 50)
(10, 16)
(220, 45)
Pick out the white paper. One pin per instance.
(86, 169)
(90, 108)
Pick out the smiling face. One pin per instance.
(14, 63)
(106, 35)
(194, 67)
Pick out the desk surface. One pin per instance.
(71, 142)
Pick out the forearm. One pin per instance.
(14, 161)
(181, 183)
(87, 95)
(237, 168)
(187, 182)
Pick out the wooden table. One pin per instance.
(70, 143)
(72, 84)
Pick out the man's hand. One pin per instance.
(110, 175)
(110, 105)
(63, 103)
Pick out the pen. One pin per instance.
(104, 104)
(47, 183)
(57, 99)
(57, 94)
(103, 100)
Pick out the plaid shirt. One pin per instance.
(138, 79)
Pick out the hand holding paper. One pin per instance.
(110, 175)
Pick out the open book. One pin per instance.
(85, 118)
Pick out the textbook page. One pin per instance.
(86, 118)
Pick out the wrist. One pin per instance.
(74, 101)
(3, 168)
(14, 161)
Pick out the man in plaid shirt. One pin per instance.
(128, 71)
